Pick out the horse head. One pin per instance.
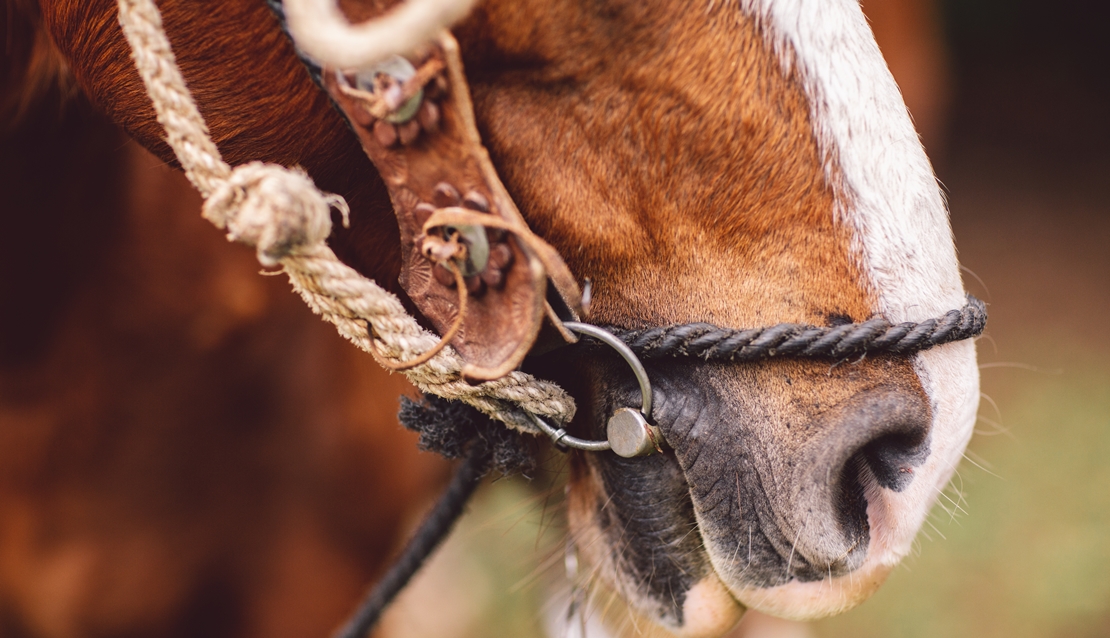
(741, 163)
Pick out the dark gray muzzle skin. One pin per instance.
(766, 473)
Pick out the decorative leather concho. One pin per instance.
(415, 121)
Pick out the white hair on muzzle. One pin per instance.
(323, 33)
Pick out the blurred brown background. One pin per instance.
(257, 534)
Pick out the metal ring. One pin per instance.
(623, 350)
(559, 435)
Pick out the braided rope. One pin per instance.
(280, 212)
(875, 336)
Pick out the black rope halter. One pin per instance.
(874, 336)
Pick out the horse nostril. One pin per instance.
(893, 457)
(884, 433)
(879, 436)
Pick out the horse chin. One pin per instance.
(893, 521)
(706, 609)
(814, 600)
(710, 610)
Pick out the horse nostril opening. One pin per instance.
(893, 457)
(851, 500)
(879, 437)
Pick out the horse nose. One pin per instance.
(874, 440)
(892, 455)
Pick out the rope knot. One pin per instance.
(277, 210)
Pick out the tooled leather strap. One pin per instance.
(415, 121)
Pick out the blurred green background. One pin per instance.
(1022, 545)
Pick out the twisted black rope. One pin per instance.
(874, 336)
(428, 536)
(454, 430)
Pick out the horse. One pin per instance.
(742, 164)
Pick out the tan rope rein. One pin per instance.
(282, 214)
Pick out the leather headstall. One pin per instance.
(415, 121)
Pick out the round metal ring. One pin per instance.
(624, 351)
(559, 435)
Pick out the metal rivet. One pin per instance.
(408, 110)
(363, 117)
(630, 434)
(500, 256)
(443, 276)
(423, 212)
(477, 247)
(385, 133)
(429, 117)
(408, 132)
(396, 71)
(475, 285)
(493, 277)
(440, 84)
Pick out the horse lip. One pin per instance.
(710, 609)
(684, 411)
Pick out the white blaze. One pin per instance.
(890, 199)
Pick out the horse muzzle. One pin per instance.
(774, 480)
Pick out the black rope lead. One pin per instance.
(874, 336)
(428, 536)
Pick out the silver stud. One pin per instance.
(398, 71)
(630, 434)
(477, 254)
